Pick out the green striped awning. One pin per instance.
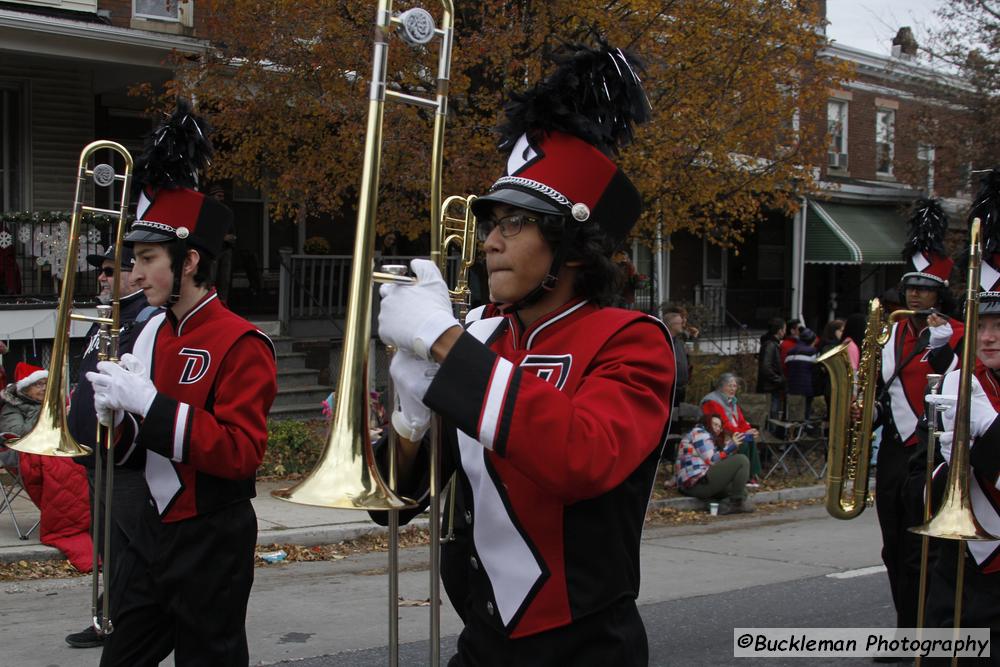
(854, 234)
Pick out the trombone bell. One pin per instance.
(343, 479)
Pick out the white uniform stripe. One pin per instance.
(555, 319)
(902, 414)
(493, 407)
(508, 560)
(180, 426)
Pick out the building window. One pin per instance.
(161, 10)
(836, 124)
(12, 132)
(885, 131)
(925, 154)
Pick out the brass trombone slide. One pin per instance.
(346, 476)
(51, 436)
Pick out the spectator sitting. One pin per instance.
(709, 467)
(723, 403)
(801, 362)
(22, 401)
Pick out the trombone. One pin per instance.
(51, 436)
(346, 475)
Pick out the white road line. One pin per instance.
(862, 572)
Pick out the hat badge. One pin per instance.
(581, 212)
(183, 232)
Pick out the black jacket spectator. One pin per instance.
(769, 376)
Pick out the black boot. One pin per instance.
(88, 638)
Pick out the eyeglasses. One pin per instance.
(106, 271)
(510, 225)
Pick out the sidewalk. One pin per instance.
(290, 523)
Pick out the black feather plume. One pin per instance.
(928, 224)
(176, 153)
(986, 207)
(594, 94)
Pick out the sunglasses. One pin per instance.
(510, 225)
(106, 271)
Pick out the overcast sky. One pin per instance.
(871, 24)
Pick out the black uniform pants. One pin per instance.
(899, 507)
(612, 636)
(129, 498)
(185, 589)
(980, 598)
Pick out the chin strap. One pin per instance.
(552, 277)
(178, 269)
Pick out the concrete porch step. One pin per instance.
(309, 397)
(296, 377)
(291, 361)
(295, 412)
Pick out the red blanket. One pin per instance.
(59, 487)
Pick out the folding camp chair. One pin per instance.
(12, 486)
(793, 439)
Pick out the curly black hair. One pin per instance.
(599, 279)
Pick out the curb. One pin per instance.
(331, 534)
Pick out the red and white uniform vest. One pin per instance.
(559, 430)
(906, 393)
(983, 489)
(206, 431)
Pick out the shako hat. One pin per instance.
(170, 207)
(560, 135)
(986, 207)
(924, 252)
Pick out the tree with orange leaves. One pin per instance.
(286, 89)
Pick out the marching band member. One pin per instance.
(981, 597)
(129, 492)
(556, 406)
(924, 343)
(201, 380)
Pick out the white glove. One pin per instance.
(940, 335)
(412, 317)
(981, 413)
(123, 386)
(107, 415)
(411, 376)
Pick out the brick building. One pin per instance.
(844, 245)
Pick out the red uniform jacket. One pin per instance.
(904, 399)
(206, 431)
(560, 427)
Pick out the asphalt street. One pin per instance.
(699, 582)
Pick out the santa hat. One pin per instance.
(26, 375)
(924, 251)
(986, 207)
(559, 137)
(168, 172)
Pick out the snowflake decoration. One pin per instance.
(6, 240)
(40, 261)
(24, 234)
(93, 235)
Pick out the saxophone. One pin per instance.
(849, 448)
